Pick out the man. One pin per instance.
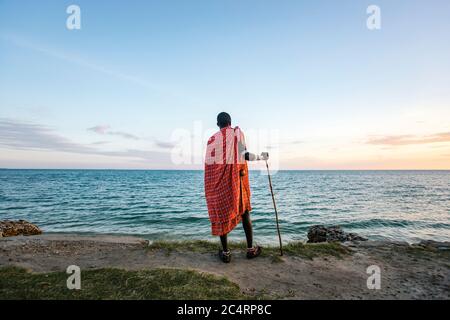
(227, 186)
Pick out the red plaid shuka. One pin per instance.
(227, 188)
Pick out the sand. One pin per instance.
(407, 272)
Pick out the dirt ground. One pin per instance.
(406, 272)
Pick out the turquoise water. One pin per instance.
(394, 205)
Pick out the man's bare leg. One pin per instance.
(252, 252)
(247, 223)
(224, 241)
(224, 254)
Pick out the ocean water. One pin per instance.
(392, 205)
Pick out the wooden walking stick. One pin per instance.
(275, 207)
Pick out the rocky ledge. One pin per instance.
(18, 228)
(331, 234)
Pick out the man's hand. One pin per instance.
(252, 157)
(264, 156)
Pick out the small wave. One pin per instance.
(387, 223)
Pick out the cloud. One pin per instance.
(93, 66)
(99, 143)
(165, 145)
(284, 144)
(401, 140)
(99, 129)
(105, 130)
(123, 135)
(21, 135)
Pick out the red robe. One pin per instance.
(227, 187)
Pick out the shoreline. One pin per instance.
(307, 271)
(237, 238)
(202, 169)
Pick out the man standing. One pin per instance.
(227, 186)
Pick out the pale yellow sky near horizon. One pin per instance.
(410, 138)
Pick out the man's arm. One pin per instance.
(250, 156)
(253, 157)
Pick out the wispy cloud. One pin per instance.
(99, 143)
(164, 144)
(105, 130)
(284, 144)
(22, 135)
(401, 140)
(82, 62)
(99, 129)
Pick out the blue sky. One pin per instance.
(112, 94)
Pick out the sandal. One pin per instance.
(225, 256)
(253, 252)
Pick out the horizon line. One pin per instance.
(137, 169)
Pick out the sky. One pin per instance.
(141, 83)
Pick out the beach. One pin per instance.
(306, 271)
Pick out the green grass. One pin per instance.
(299, 249)
(112, 284)
(310, 250)
(426, 252)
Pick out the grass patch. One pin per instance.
(180, 246)
(426, 252)
(299, 249)
(112, 284)
(310, 250)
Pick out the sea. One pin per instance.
(170, 204)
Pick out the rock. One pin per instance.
(17, 228)
(318, 234)
(434, 245)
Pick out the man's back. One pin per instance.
(227, 188)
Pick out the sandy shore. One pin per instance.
(407, 272)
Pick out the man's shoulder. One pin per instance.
(225, 131)
(214, 137)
